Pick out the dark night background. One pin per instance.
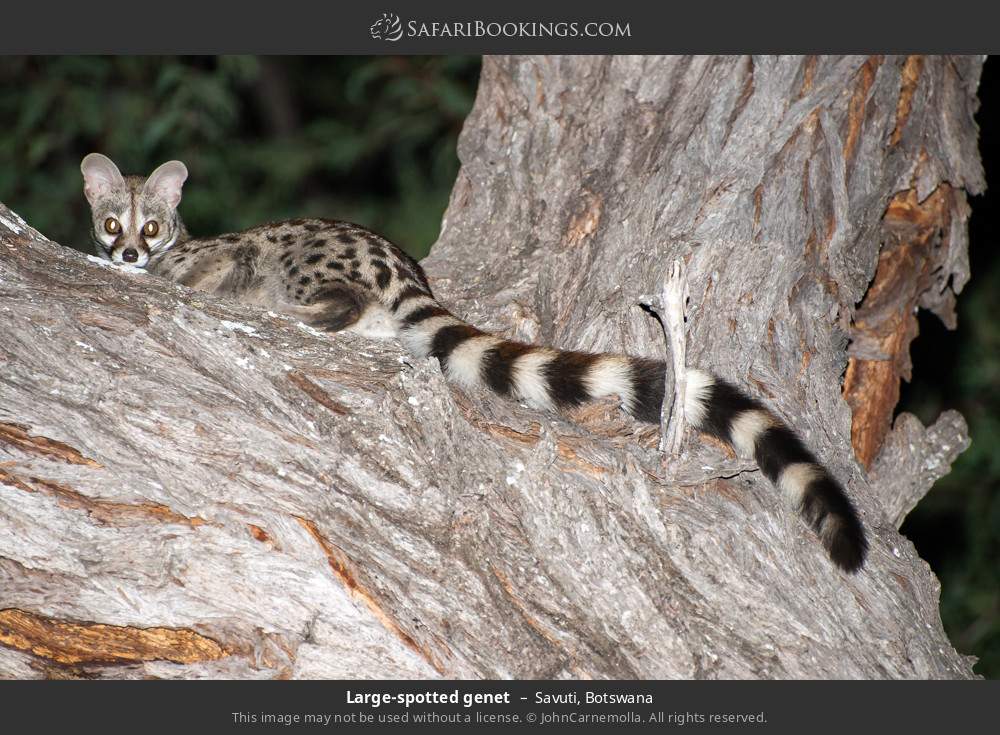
(372, 140)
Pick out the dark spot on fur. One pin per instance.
(312, 227)
(231, 238)
(383, 276)
(335, 265)
(305, 281)
(415, 267)
(403, 274)
(293, 271)
(314, 258)
(349, 254)
(245, 253)
(345, 238)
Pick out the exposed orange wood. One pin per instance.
(104, 511)
(808, 73)
(568, 453)
(886, 318)
(259, 534)
(586, 221)
(18, 436)
(72, 643)
(910, 77)
(859, 101)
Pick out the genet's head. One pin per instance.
(133, 217)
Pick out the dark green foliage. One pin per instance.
(366, 139)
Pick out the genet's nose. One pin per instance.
(130, 255)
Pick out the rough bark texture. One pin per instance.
(192, 488)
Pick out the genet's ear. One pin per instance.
(100, 176)
(166, 182)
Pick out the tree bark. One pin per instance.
(194, 488)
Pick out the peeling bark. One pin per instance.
(913, 265)
(191, 488)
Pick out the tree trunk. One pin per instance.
(194, 488)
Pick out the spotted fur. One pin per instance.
(335, 276)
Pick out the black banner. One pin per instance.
(515, 26)
(387, 706)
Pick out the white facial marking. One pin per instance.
(159, 241)
(106, 238)
(163, 245)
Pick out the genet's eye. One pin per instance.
(112, 226)
(150, 228)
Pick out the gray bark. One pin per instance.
(193, 488)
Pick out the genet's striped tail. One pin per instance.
(540, 376)
(550, 379)
(720, 409)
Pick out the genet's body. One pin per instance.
(338, 276)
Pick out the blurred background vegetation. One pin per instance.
(365, 139)
(956, 527)
(372, 140)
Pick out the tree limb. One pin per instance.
(189, 487)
